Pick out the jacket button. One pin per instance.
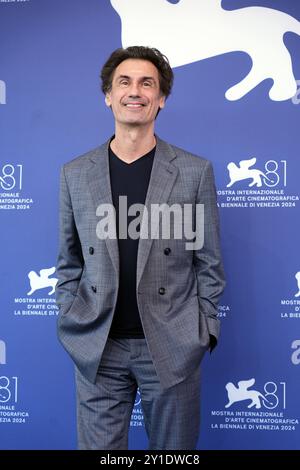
(161, 290)
(91, 250)
(167, 251)
(94, 289)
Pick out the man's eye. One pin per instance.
(147, 83)
(124, 82)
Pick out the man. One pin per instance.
(138, 309)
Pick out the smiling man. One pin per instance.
(139, 108)
(138, 309)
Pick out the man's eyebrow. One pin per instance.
(122, 76)
(142, 78)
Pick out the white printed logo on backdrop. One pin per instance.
(253, 183)
(12, 195)
(244, 171)
(10, 412)
(137, 417)
(297, 276)
(290, 306)
(296, 97)
(248, 406)
(242, 392)
(42, 280)
(2, 92)
(2, 352)
(36, 303)
(193, 30)
(295, 357)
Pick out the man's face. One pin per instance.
(135, 95)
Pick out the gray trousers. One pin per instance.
(172, 416)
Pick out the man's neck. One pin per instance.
(131, 144)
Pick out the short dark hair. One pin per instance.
(151, 54)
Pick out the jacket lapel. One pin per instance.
(162, 179)
(100, 188)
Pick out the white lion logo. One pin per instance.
(241, 393)
(193, 30)
(41, 281)
(243, 171)
(297, 276)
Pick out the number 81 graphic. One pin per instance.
(11, 177)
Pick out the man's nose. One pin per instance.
(134, 90)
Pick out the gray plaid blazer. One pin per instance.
(177, 319)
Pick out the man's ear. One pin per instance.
(162, 102)
(107, 99)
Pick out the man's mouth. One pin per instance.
(134, 105)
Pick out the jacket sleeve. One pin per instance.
(207, 260)
(70, 259)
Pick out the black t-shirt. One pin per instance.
(131, 180)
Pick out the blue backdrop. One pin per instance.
(52, 110)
